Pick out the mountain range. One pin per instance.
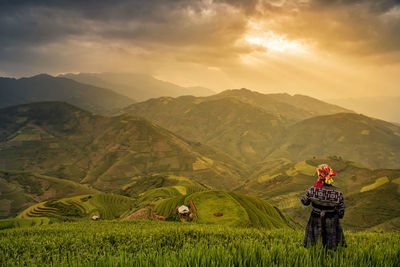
(44, 87)
(252, 126)
(60, 140)
(139, 87)
(60, 160)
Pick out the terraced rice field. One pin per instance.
(107, 206)
(237, 209)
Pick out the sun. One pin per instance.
(275, 43)
(260, 36)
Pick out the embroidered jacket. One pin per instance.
(326, 198)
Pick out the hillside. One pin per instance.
(293, 108)
(106, 206)
(60, 140)
(371, 195)
(369, 141)
(44, 87)
(233, 209)
(141, 194)
(244, 131)
(137, 86)
(20, 189)
(252, 127)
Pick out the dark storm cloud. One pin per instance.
(378, 6)
(41, 21)
(192, 30)
(29, 29)
(35, 22)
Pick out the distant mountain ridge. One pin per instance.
(292, 107)
(44, 87)
(252, 127)
(137, 86)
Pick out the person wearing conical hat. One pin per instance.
(328, 208)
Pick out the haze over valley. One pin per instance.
(240, 140)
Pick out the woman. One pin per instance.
(328, 207)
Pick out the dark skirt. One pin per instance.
(326, 230)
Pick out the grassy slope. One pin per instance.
(149, 190)
(20, 189)
(237, 209)
(284, 183)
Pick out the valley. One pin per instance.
(64, 163)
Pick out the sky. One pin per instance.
(321, 48)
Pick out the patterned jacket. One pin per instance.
(327, 198)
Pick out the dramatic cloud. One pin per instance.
(319, 47)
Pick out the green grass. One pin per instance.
(134, 243)
(21, 223)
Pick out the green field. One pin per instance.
(135, 243)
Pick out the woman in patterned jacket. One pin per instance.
(328, 207)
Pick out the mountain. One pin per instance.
(372, 196)
(137, 86)
(21, 189)
(251, 127)
(356, 137)
(60, 140)
(44, 87)
(245, 131)
(381, 107)
(293, 108)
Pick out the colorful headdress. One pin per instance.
(325, 175)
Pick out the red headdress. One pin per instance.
(325, 174)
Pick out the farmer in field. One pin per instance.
(328, 207)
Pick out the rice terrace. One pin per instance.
(200, 133)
